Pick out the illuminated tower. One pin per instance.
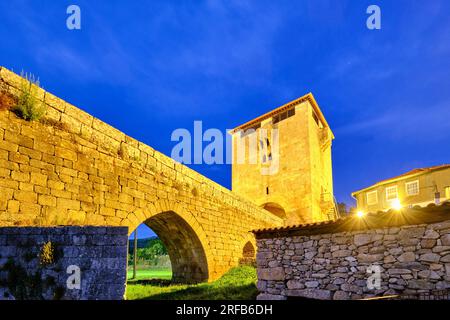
(282, 162)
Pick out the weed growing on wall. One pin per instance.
(47, 255)
(28, 106)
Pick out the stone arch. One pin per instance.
(248, 250)
(183, 237)
(275, 209)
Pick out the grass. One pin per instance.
(147, 274)
(237, 284)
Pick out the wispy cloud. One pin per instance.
(417, 123)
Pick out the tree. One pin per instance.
(342, 207)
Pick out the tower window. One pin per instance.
(266, 149)
(267, 190)
(284, 115)
(316, 118)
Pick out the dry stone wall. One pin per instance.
(38, 263)
(70, 168)
(412, 260)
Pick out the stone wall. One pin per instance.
(315, 262)
(70, 168)
(34, 262)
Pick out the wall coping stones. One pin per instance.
(78, 120)
(390, 219)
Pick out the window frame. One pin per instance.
(376, 197)
(387, 192)
(410, 183)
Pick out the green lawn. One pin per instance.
(147, 274)
(236, 284)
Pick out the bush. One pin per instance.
(28, 106)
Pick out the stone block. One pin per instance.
(407, 257)
(445, 239)
(430, 257)
(275, 274)
(341, 295)
(362, 239)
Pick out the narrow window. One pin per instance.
(269, 150)
(276, 119)
(264, 146)
(267, 190)
(316, 119)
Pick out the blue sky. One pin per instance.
(150, 67)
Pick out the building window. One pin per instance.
(391, 193)
(372, 198)
(267, 190)
(266, 150)
(316, 118)
(412, 188)
(284, 115)
(447, 192)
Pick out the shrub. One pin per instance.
(28, 106)
(47, 255)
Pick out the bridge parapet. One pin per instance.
(71, 168)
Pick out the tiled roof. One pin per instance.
(419, 170)
(392, 218)
(404, 175)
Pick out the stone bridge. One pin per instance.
(70, 168)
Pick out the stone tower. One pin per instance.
(282, 162)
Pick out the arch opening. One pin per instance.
(187, 256)
(248, 254)
(152, 259)
(275, 209)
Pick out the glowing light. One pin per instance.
(360, 214)
(396, 205)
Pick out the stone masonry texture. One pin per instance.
(26, 272)
(414, 259)
(70, 168)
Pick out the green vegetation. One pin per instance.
(236, 284)
(28, 106)
(146, 274)
(150, 252)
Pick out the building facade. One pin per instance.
(282, 162)
(418, 187)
